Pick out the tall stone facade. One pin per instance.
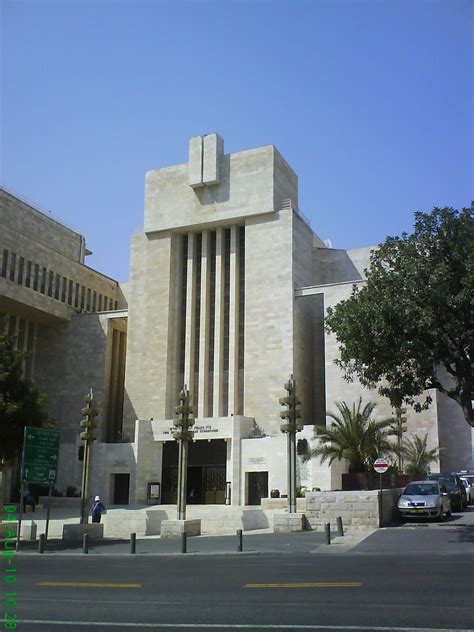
(227, 295)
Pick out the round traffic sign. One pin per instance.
(381, 465)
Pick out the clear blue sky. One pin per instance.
(370, 103)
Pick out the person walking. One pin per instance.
(28, 499)
(98, 508)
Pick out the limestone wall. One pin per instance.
(24, 219)
(268, 316)
(70, 359)
(358, 509)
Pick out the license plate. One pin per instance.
(417, 510)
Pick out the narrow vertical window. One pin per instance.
(57, 285)
(76, 296)
(99, 306)
(12, 266)
(50, 283)
(88, 300)
(21, 269)
(43, 281)
(94, 300)
(212, 322)
(182, 323)
(240, 385)
(63, 290)
(28, 273)
(225, 388)
(83, 297)
(70, 291)
(4, 263)
(197, 319)
(36, 278)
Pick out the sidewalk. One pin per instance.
(305, 542)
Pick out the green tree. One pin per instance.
(410, 326)
(20, 402)
(417, 457)
(353, 435)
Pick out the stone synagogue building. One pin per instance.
(227, 293)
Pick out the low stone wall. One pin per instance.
(358, 509)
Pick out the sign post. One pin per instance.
(381, 466)
(39, 464)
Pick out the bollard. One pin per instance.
(340, 528)
(240, 540)
(133, 543)
(327, 529)
(183, 542)
(85, 543)
(41, 543)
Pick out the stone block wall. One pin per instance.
(358, 509)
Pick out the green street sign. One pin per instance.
(40, 456)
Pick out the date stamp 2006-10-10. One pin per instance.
(9, 570)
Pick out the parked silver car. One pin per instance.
(425, 499)
(468, 482)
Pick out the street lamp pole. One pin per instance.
(291, 426)
(88, 426)
(183, 422)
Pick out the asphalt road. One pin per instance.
(397, 579)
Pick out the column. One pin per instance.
(202, 409)
(219, 324)
(234, 321)
(190, 314)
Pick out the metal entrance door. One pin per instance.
(206, 472)
(214, 485)
(257, 487)
(121, 489)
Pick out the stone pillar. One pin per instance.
(195, 165)
(234, 322)
(190, 314)
(203, 408)
(219, 325)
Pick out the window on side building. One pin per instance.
(4, 263)
(28, 273)
(12, 267)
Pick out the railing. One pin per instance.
(288, 204)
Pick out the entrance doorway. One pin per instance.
(257, 487)
(121, 489)
(206, 472)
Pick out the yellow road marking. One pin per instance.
(308, 585)
(90, 584)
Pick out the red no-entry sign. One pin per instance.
(381, 465)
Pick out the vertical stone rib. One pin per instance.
(202, 409)
(219, 325)
(190, 313)
(234, 322)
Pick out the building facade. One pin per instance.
(227, 293)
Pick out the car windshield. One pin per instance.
(446, 478)
(421, 489)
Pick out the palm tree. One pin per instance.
(417, 457)
(354, 436)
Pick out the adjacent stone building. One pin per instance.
(227, 293)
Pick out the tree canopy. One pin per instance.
(21, 404)
(410, 326)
